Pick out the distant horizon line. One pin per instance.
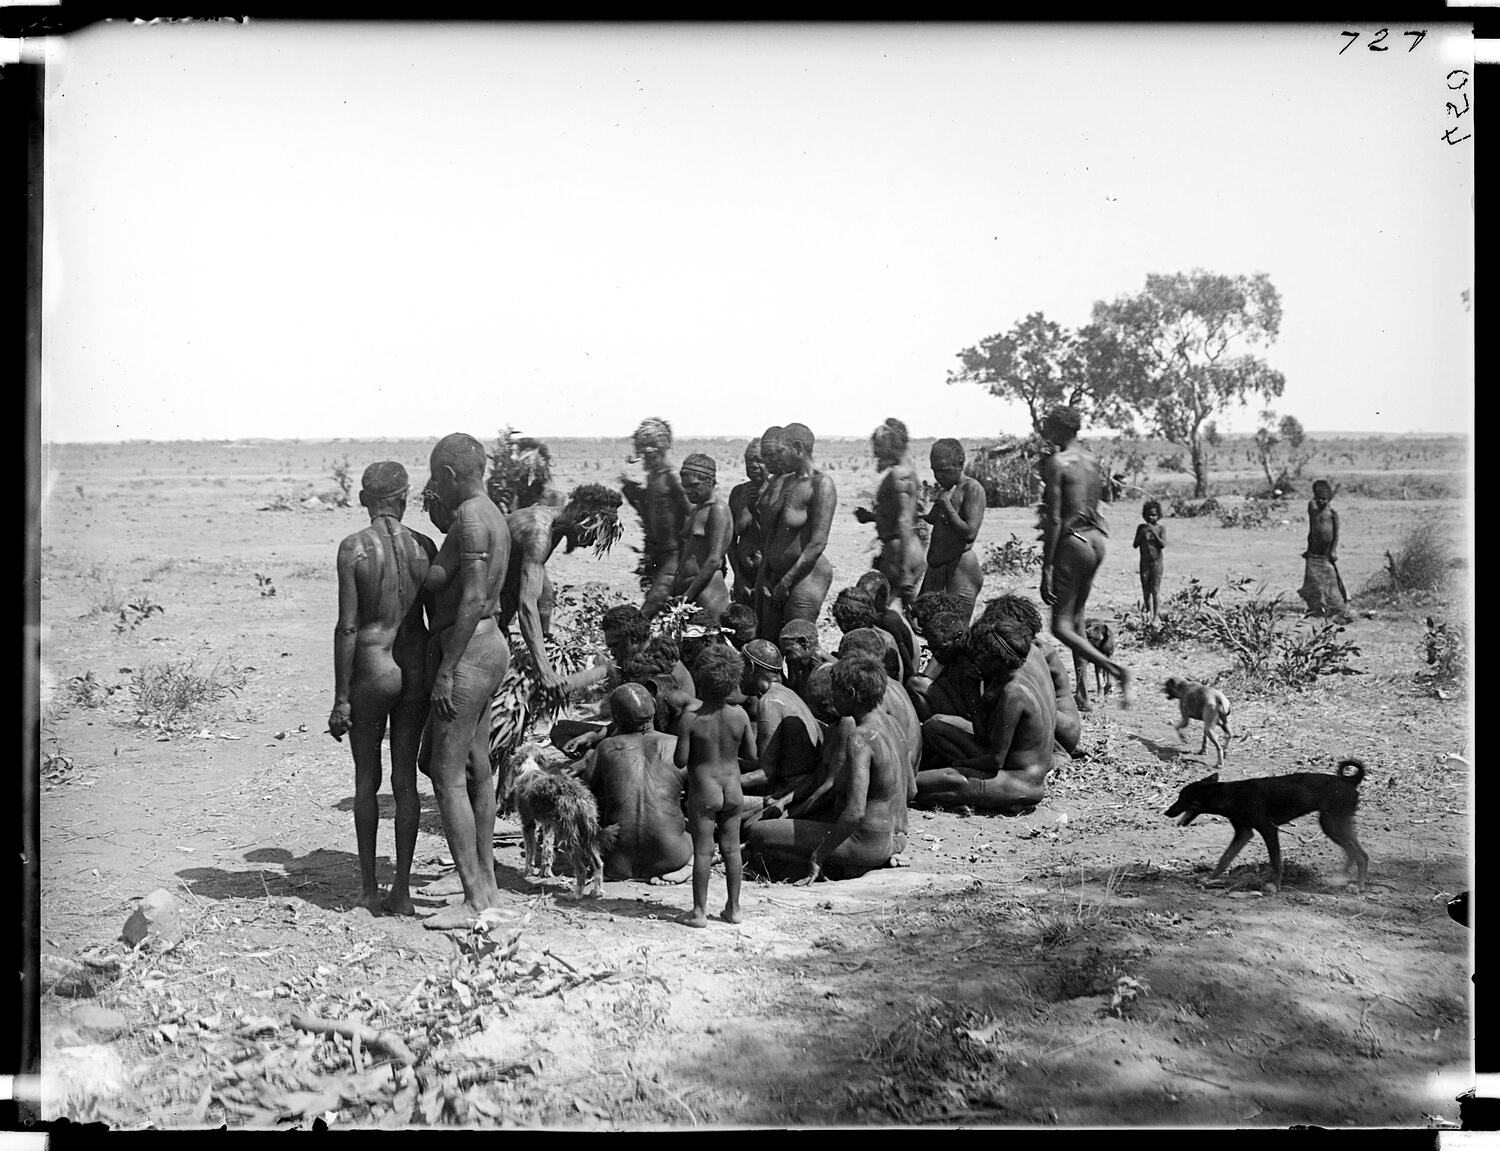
(676, 435)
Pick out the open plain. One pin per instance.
(1062, 968)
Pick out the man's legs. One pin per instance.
(364, 742)
(947, 739)
(1073, 569)
(461, 781)
(407, 722)
(662, 570)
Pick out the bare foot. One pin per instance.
(368, 901)
(398, 904)
(1127, 687)
(448, 885)
(1084, 706)
(452, 918)
(681, 875)
(898, 861)
(695, 918)
(731, 915)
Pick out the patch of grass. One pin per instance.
(104, 596)
(1419, 562)
(1445, 646)
(87, 690)
(171, 696)
(1011, 557)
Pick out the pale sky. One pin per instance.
(398, 230)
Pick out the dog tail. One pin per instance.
(1355, 773)
(608, 837)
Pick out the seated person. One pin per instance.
(788, 739)
(798, 642)
(874, 584)
(927, 606)
(955, 688)
(868, 792)
(1002, 764)
(896, 706)
(738, 625)
(643, 833)
(854, 609)
(627, 633)
(1045, 665)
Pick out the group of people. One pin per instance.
(742, 733)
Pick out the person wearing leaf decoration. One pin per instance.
(662, 505)
(707, 531)
(379, 653)
(590, 518)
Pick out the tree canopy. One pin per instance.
(1181, 351)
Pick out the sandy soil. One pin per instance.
(1034, 971)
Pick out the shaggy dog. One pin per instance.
(557, 813)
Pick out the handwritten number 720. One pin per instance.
(1375, 44)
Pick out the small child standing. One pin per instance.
(1150, 538)
(1322, 588)
(710, 745)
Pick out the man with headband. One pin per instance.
(590, 518)
(787, 737)
(795, 573)
(1000, 763)
(1073, 535)
(662, 506)
(379, 648)
(467, 658)
(707, 531)
(955, 516)
(744, 551)
(901, 559)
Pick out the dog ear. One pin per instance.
(1214, 778)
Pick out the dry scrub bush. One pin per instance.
(1011, 557)
(171, 696)
(1420, 561)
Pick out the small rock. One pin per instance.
(97, 1023)
(312, 502)
(157, 915)
(280, 735)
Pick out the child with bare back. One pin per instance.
(710, 744)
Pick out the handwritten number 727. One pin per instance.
(1375, 44)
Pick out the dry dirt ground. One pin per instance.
(1039, 970)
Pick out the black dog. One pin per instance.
(1262, 805)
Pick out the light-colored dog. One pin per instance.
(557, 813)
(1195, 701)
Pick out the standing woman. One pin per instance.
(902, 559)
(794, 573)
(744, 551)
(955, 516)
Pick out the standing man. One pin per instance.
(467, 657)
(1073, 535)
(955, 516)
(706, 535)
(379, 648)
(662, 506)
(901, 559)
(744, 551)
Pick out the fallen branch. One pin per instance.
(385, 1041)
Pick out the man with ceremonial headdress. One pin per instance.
(662, 505)
(379, 651)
